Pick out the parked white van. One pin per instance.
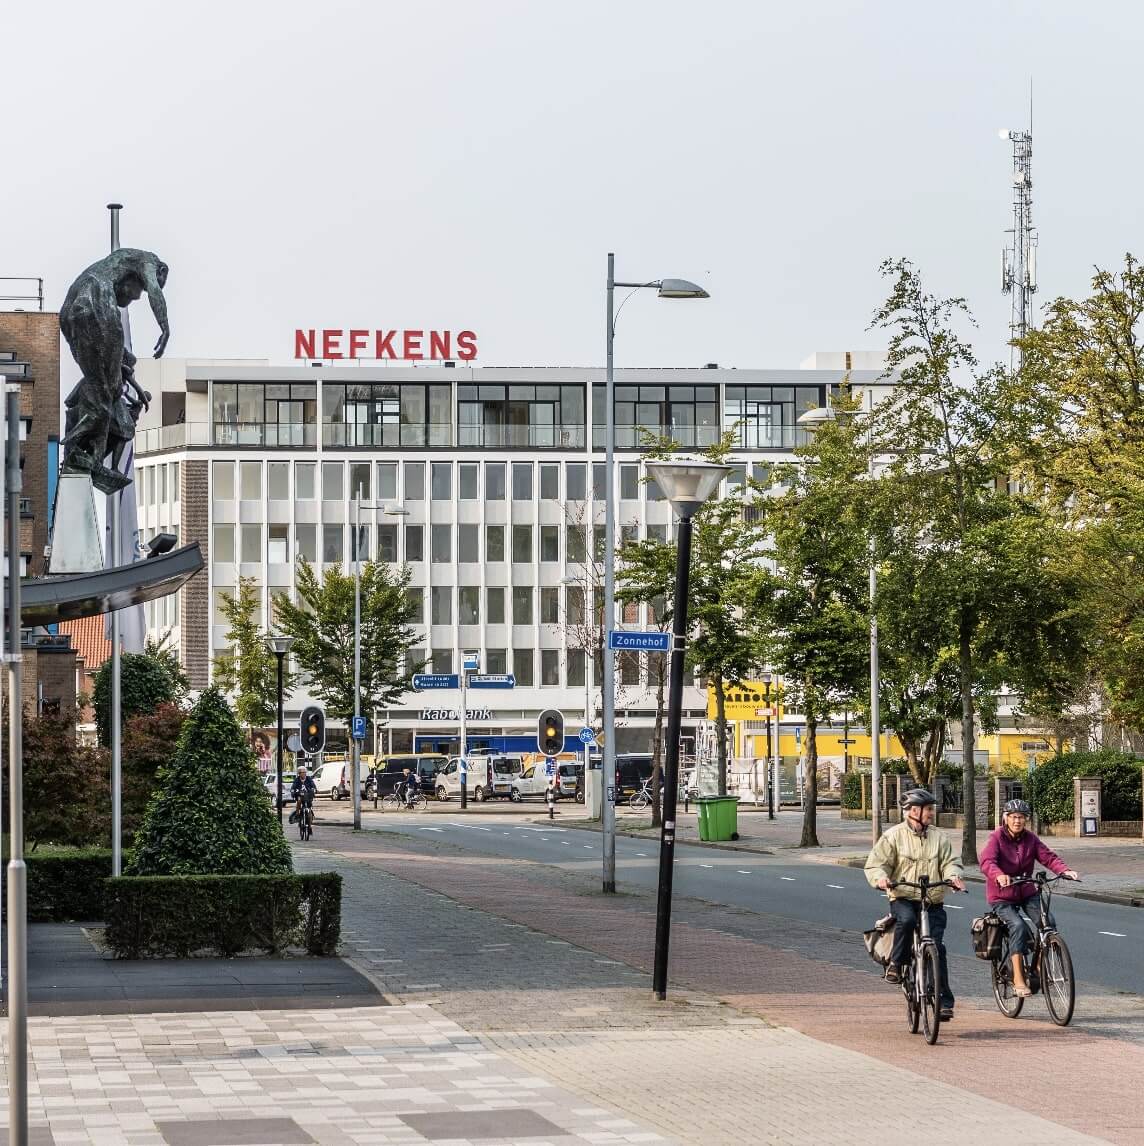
(330, 778)
(489, 777)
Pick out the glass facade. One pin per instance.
(264, 414)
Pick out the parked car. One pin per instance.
(331, 778)
(427, 765)
(570, 782)
(271, 782)
(532, 782)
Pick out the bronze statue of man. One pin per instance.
(104, 406)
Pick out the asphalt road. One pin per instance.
(1105, 940)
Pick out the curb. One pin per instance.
(689, 843)
(1116, 898)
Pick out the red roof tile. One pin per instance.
(89, 639)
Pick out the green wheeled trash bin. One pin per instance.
(718, 818)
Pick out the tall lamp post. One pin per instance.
(686, 485)
(279, 646)
(665, 288)
(766, 679)
(810, 421)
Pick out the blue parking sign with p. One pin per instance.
(359, 728)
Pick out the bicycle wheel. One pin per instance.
(390, 803)
(1007, 1003)
(302, 827)
(913, 1013)
(931, 989)
(1057, 980)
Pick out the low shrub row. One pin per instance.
(1051, 784)
(852, 790)
(67, 883)
(182, 915)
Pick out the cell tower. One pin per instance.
(1019, 262)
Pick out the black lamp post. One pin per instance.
(766, 678)
(279, 646)
(687, 485)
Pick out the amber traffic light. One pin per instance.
(550, 732)
(312, 732)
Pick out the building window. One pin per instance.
(766, 417)
(576, 544)
(359, 480)
(629, 666)
(222, 595)
(468, 543)
(264, 413)
(575, 604)
(250, 480)
(469, 605)
(630, 613)
(306, 542)
(467, 480)
(333, 544)
(443, 661)
(494, 542)
(629, 534)
(522, 481)
(549, 667)
(442, 598)
(657, 533)
(520, 415)
(278, 481)
(599, 476)
(522, 605)
(222, 480)
(371, 414)
(278, 545)
(415, 595)
(250, 539)
(414, 661)
(521, 543)
(575, 668)
(687, 414)
(494, 595)
(496, 661)
(359, 543)
(387, 544)
(441, 481)
(599, 538)
(304, 481)
(386, 475)
(575, 481)
(442, 544)
(414, 543)
(494, 481)
(523, 663)
(549, 543)
(550, 481)
(550, 605)
(333, 481)
(414, 481)
(629, 482)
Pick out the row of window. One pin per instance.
(156, 485)
(327, 544)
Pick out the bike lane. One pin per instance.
(1088, 1081)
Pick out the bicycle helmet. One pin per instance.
(918, 798)
(1019, 806)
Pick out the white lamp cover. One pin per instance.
(680, 288)
(687, 484)
(812, 419)
(279, 644)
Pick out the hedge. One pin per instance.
(66, 884)
(183, 915)
(852, 790)
(1051, 784)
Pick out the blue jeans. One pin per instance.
(906, 913)
(1022, 921)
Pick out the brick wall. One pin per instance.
(47, 675)
(194, 608)
(35, 337)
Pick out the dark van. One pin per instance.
(632, 769)
(425, 764)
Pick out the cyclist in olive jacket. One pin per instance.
(907, 851)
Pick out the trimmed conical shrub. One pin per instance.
(210, 814)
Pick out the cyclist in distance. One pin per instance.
(907, 851)
(409, 786)
(302, 785)
(1011, 853)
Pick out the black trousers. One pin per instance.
(906, 913)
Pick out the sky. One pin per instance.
(468, 164)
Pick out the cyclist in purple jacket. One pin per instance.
(1011, 853)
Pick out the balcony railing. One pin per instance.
(295, 435)
(175, 437)
(359, 435)
(632, 437)
(517, 437)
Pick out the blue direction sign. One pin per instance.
(423, 680)
(359, 728)
(587, 736)
(493, 680)
(639, 642)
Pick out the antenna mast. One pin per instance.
(1019, 262)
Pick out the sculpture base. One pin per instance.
(76, 546)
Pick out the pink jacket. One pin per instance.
(1015, 857)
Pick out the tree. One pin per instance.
(210, 815)
(249, 672)
(146, 680)
(322, 625)
(148, 742)
(814, 597)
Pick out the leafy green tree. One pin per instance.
(148, 743)
(249, 672)
(815, 597)
(322, 625)
(146, 680)
(210, 814)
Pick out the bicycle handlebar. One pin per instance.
(923, 886)
(1041, 878)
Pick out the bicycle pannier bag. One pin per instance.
(879, 940)
(987, 932)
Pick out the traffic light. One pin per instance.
(313, 729)
(550, 732)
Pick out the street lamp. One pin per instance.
(686, 485)
(811, 421)
(279, 646)
(766, 679)
(355, 743)
(665, 288)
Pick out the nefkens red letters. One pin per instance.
(397, 345)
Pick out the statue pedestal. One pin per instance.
(76, 546)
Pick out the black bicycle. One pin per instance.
(1048, 968)
(304, 815)
(921, 976)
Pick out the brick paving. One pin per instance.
(794, 982)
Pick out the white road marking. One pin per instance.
(706, 865)
(644, 854)
(1114, 934)
(838, 886)
(427, 829)
(742, 872)
(955, 907)
(588, 846)
(788, 878)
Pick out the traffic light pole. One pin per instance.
(464, 733)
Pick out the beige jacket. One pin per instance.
(901, 853)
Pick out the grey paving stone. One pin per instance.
(478, 1125)
(234, 1132)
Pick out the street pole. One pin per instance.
(279, 657)
(767, 758)
(776, 790)
(464, 715)
(17, 872)
(116, 656)
(671, 784)
(875, 715)
(355, 743)
(608, 719)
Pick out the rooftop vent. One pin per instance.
(711, 366)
